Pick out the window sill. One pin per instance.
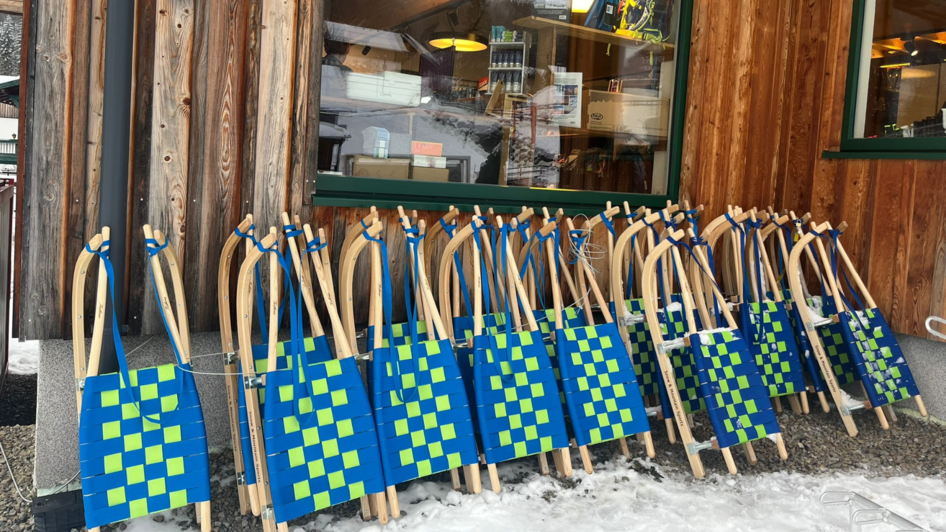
(910, 155)
(338, 191)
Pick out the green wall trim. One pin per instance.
(865, 155)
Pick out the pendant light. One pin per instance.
(463, 42)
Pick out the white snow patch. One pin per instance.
(24, 357)
(672, 307)
(705, 335)
(849, 402)
(616, 497)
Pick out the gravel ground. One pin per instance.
(18, 400)
(817, 444)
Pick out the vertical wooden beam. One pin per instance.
(27, 70)
(46, 181)
(305, 112)
(315, 100)
(76, 199)
(96, 103)
(140, 161)
(274, 137)
(170, 131)
(216, 138)
(251, 110)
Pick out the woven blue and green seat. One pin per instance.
(809, 363)
(599, 383)
(518, 403)
(878, 358)
(766, 326)
(401, 333)
(420, 405)
(317, 350)
(836, 346)
(643, 354)
(684, 367)
(142, 441)
(319, 434)
(737, 400)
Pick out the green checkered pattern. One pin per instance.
(886, 375)
(777, 354)
(684, 368)
(832, 337)
(402, 334)
(643, 353)
(519, 412)
(546, 319)
(737, 400)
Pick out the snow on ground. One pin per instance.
(618, 497)
(24, 357)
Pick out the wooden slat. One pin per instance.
(216, 137)
(170, 131)
(93, 160)
(44, 212)
(76, 199)
(273, 140)
(12, 6)
(299, 170)
(926, 231)
(27, 70)
(140, 160)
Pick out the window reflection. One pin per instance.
(571, 94)
(902, 89)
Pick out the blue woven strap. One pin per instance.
(607, 223)
(291, 231)
(260, 302)
(451, 231)
(578, 239)
(387, 327)
(630, 268)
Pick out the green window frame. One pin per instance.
(929, 148)
(342, 191)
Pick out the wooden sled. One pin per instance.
(142, 441)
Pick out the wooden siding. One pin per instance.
(765, 99)
(797, 76)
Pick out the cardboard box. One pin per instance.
(640, 112)
(426, 161)
(365, 166)
(430, 174)
(433, 149)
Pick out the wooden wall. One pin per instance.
(767, 84)
(765, 99)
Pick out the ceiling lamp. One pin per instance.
(463, 42)
(910, 47)
(581, 6)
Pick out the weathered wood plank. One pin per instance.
(140, 159)
(13, 6)
(251, 95)
(93, 156)
(24, 128)
(273, 141)
(298, 160)
(76, 200)
(925, 234)
(45, 215)
(741, 99)
(216, 136)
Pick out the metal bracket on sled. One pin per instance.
(229, 358)
(252, 382)
(846, 410)
(267, 513)
(80, 385)
(696, 447)
(241, 479)
(670, 345)
(630, 319)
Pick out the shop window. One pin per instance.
(896, 97)
(566, 95)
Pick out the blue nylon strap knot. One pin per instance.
(364, 225)
(154, 248)
(607, 223)
(579, 241)
(314, 246)
(247, 236)
(693, 216)
(448, 228)
(291, 231)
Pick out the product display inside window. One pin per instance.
(902, 72)
(564, 94)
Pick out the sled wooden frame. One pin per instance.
(245, 287)
(463, 236)
(817, 346)
(378, 507)
(798, 401)
(666, 367)
(563, 265)
(344, 257)
(435, 326)
(249, 497)
(517, 295)
(869, 300)
(584, 270)
(622, 314)
(180, 333)
(451, 217)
